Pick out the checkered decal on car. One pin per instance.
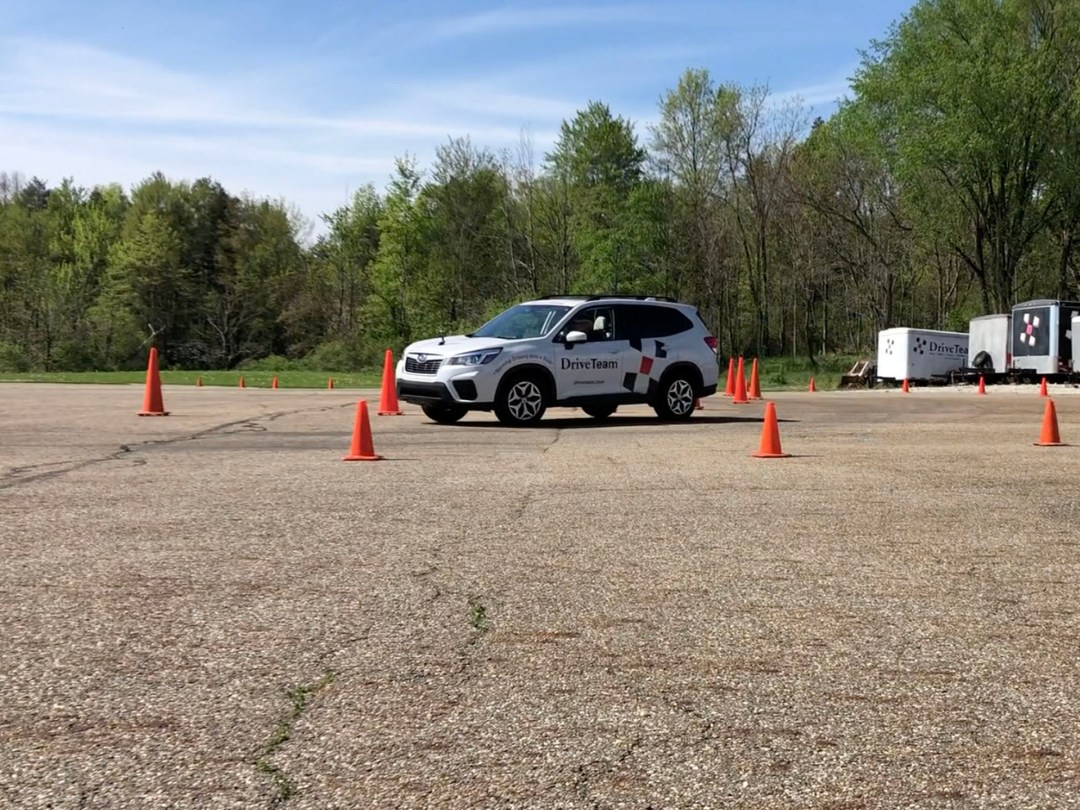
(642, 381)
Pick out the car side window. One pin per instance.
(635, 322)
(596, 322)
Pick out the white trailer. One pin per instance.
(989, 343)
(919, 354)
(1076, 342)
(1042, 336)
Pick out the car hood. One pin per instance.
(453, 344)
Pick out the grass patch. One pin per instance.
(284, 789)
(794, 373)
(252, 379)
(478, 615)
(775, 374)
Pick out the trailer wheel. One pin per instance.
(983, 361)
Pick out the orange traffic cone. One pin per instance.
(152, 404)
(982, 386)
(770, 436)
(330, 382)
(904, 388)
(812, 387)
(697, 405)
(388, 404)
(740, 387)
(755, 383)
(1042, 388)
(362, 448)
(198, 381)
(241, 384)
(729, 387)
(273, 382)
(1049, 437)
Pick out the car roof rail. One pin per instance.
(608, 296)
(621, 297)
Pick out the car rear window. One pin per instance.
(644, 321)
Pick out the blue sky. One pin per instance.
(308, 101)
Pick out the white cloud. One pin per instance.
(813, 95)
(71, 110)
(53, 78)
(505, 20)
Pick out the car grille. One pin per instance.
(429, 366)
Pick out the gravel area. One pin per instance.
(212, 610)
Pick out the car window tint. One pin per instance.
(643, 321)
(596, 322)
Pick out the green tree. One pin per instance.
(689, 145)
(327, 303)
(598, 159)
(398, 297)
(257, 261)
(467, 228)
(969, 101)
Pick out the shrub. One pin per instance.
(332, 355)
(12, 358)
(273, 362)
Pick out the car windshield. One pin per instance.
(523, 321)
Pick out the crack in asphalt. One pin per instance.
(520, 507)
(555, 441)
(17, 476)
(585, 774)
(300, 696)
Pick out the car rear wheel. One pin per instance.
(676, 397)
(521, 400)
(443, 414)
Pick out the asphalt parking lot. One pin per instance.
(212, 610)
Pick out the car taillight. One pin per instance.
(711, 342)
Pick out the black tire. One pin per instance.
(443, 414)
(675, 399)
(983, 361)
(599, 411)
(521, 400)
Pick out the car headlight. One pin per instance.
(475, 359)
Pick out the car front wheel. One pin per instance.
(521, 401)
(676, 398)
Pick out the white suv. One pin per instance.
(596, 353)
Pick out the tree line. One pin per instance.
(946, 186)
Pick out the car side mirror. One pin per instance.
(576, 337)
